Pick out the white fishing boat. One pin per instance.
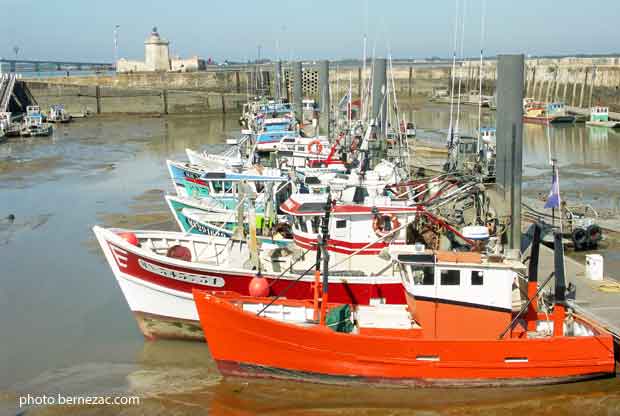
(599, 117)
(157, 271)
(57, 114)
(231, 159)
(33, 124)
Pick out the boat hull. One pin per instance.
(549, 119)
(608, 124)
(161, 288)
(243, 344)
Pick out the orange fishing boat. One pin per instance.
(457, 329)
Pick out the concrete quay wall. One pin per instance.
(101, 99)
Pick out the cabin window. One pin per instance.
(302, 224)
(316, 222)
(217, 186)
(477, 278)
(228, 186)
(341, 224)
(423, 275)
(450, 277)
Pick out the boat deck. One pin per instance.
(599, 301)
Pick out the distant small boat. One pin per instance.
(7, 125)
(474, 98)
(599, 117)
(57, 114)
(33, 125)
(552, 113)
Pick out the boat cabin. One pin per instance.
(556, 109)
(599, 114)
(351, 227)
(277, 124)
(193, 181)
(33, 110)
(457, 294)
(488, 135)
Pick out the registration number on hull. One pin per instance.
(182, 276)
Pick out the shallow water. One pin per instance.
(65, 327)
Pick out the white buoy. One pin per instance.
(594, 266)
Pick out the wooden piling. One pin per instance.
(223, 104)
(583, 88)
(592, 87)
(237, 82)
(98, 98)
(573, 99)
(555, 88)
(164, 96)
(565, 86)
(410, 81)
(548, 91)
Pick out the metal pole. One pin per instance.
(325, 104)
(297, 91)
(379, 94)
(510, 141)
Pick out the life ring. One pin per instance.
(315, 147)
(378, 224)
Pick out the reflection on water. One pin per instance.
(66, 327)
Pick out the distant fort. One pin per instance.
(157, 58)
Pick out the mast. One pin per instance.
(462, 54)
(362, 106)
(456, 25)
(484, 10)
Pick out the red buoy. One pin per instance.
(130, 238)
(259, 287)
(179, 252)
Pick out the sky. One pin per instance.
(82, 30)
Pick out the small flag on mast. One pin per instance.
(553, 200)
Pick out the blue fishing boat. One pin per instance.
(201, 217)
(193, 181)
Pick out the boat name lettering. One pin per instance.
(183, 276)
(204, 229)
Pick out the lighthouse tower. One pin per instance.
(156, 52)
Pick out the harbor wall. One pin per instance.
(580, 82)
(205, 91)
(104, 99)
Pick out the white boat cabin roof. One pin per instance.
(600, 110)
(314, 205)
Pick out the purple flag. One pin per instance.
(553, 200)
